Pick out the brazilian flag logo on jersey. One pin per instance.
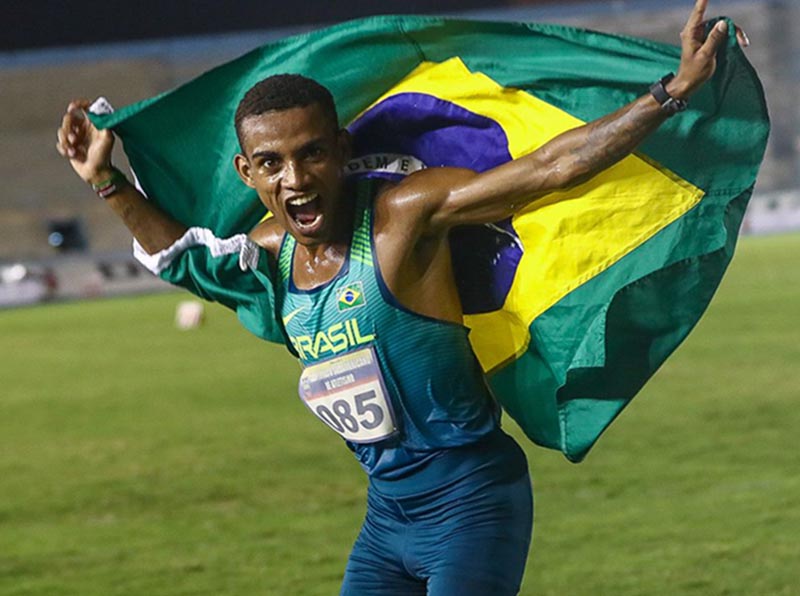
(351, 296)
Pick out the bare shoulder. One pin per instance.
(268, 234)
(424, 186)
(420, 194)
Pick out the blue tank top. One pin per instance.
(435, 393)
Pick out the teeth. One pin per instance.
(296, 202)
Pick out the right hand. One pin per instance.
(698, 52)
(87, 148)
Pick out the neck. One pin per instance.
(324, 251)
(317, 264)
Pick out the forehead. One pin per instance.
(283, 131)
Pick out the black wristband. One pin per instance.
(669, 104)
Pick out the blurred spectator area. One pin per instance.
(100, 21)
(38, 186)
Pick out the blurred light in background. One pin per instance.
(67, 235)
(13, 273)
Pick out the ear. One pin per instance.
(345, 142)
(242, 165)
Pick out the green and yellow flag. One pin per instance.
(576, 301)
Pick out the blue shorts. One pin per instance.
(469, 538)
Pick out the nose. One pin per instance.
(295, 175)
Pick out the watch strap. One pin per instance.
(669, 104)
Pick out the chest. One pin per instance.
(330, 320)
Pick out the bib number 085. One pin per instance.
(341, 418)
(348, 394)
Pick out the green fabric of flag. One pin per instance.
(569, 365)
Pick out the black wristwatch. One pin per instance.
(669, 104)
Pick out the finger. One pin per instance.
(78, 108)
(696, 17)
(79, 104)
(742, 38)
(72, 120)
(77, 119)
(71, 153)
(80, 153)
(68, 136)
(64, 146)
(66, 121)
(61, 149)
(716, 38)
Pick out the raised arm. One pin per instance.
(448, 198)
(89, 152)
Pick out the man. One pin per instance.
(362, 281)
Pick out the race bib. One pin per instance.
(348, 394)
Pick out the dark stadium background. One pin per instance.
(63, 23)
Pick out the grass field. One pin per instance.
(136, 459)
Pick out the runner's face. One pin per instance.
(294, 159)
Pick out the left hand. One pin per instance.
(87, 148)
(698, 55)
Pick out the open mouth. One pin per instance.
(305, 211)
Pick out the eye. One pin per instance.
(315, 153)
(270, 164)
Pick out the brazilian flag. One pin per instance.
(574, 302)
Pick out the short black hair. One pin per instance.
(283, 92)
